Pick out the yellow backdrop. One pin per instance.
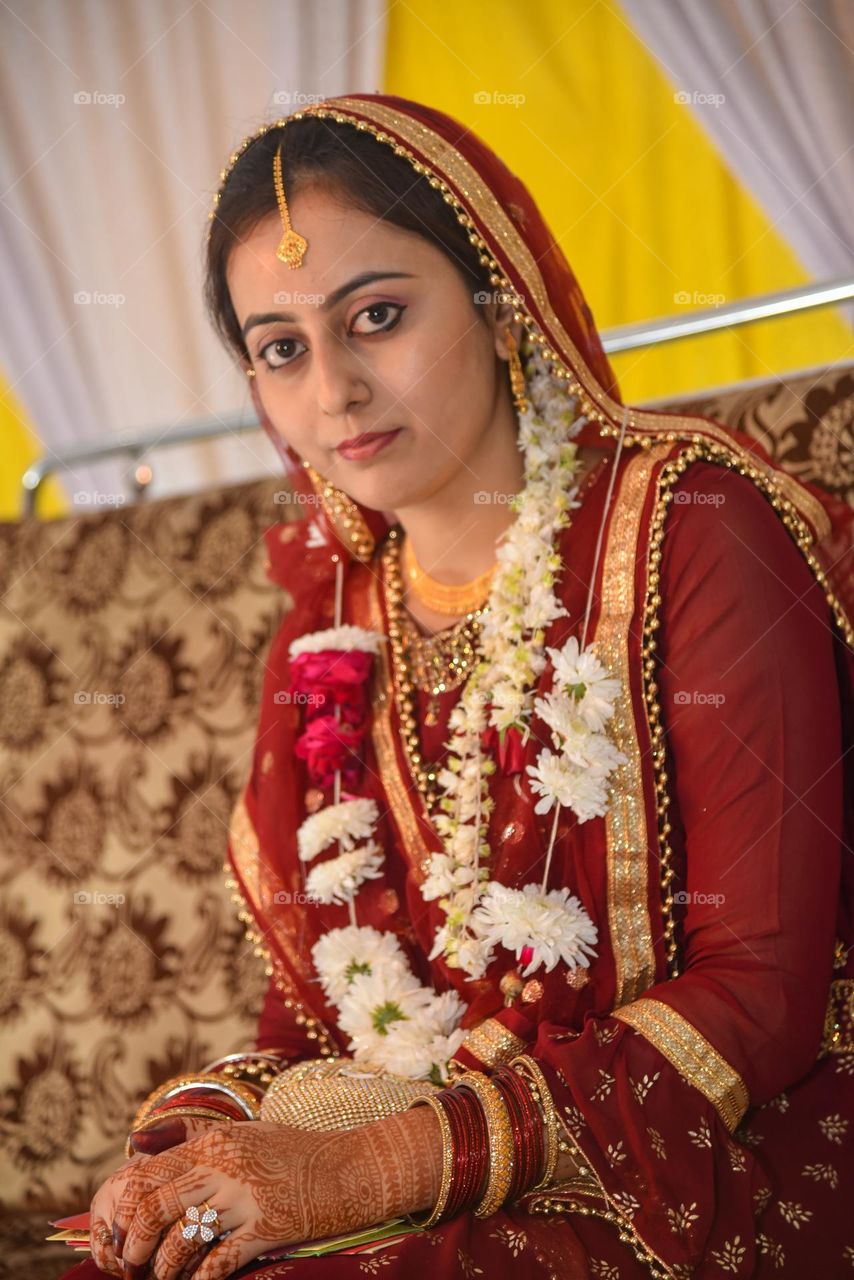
(632, 188)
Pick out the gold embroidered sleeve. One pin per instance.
(696, 1060)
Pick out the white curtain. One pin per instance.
(772, 82)
(115, 120)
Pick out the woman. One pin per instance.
(545, 817)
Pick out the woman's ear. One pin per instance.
(502, 321)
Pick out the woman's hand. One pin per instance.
(170, 1133)
(272, 1185)
(102, 1211)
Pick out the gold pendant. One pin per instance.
(292, 248)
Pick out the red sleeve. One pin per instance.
(750, 705)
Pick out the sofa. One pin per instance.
(132, 645)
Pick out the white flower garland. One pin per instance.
(390, 1018)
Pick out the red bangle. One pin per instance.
(471, 1148)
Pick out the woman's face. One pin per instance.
(337, 354)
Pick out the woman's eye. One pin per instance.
(286, 357)
(377, 320)
(377, 313)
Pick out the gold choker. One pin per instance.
(439, 596)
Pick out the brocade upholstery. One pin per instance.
(132, 644)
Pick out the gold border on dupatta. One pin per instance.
(629, 923)
(693, 1056)
(245, 848)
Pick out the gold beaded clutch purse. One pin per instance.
(323, 1095)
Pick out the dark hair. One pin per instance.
(348, 162)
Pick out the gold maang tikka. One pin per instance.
(293, 246)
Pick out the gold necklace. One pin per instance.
(443, 666)
(440, 596)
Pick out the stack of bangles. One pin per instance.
(500, 1139)
(230, 1088)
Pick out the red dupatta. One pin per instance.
(604, 1043)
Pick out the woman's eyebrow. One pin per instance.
(331, 300)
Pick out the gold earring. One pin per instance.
(292, 246)
(250, 373)
(517, 374)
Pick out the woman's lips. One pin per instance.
(375, 442)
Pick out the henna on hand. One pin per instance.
(273, 1185)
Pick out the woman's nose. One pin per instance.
(340, 381)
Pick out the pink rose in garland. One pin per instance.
(327, 745)
(322, 680)
(330, 675)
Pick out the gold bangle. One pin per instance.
(501, 1151)
(242, 1094)
(447, 1162)
(531, 1073)
(151, 1122)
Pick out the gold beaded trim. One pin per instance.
(547, 1206)
(244, 844)
(838, 1034)
(562, 1198)
(501, 1148)
(423, 774)
(693, 1056)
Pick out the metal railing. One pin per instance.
(627, 337)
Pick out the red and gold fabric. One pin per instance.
(704, 1074)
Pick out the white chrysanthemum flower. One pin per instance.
(473, 956)
(347, 822)
(374, 1002)
(343, 954)
(339, 879)
(554, 925)
(575, 670)
(344, 637)
(558, 781)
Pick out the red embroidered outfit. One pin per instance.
(708, 1099)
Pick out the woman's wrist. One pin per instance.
(405, 1151)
